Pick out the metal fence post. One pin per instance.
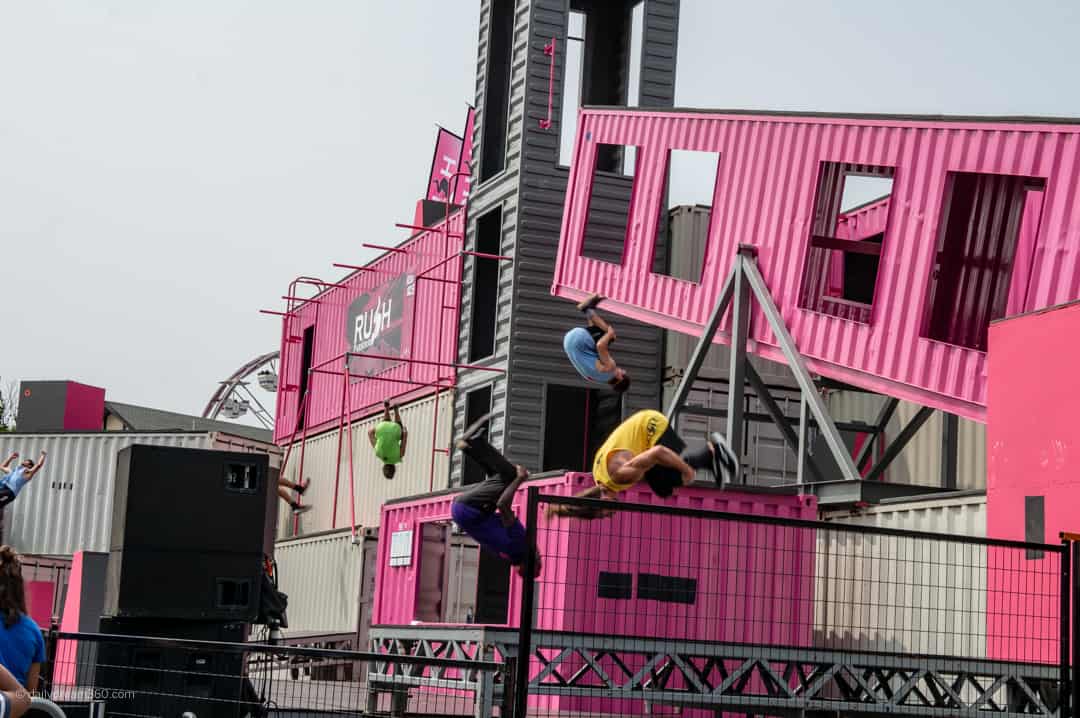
(1065, 690)
(528, 595)
(1075, 683)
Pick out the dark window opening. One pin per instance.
(670, 589)
(485, 286)
(1034, 524)
(307, 348)
(496, 108)
(577, 420)
(602, 66)
(689, 186)
(851, 212)
(242, 478)
(982, 219)
(492, 589)
(233, 593)
(615, 585)
(608, 213)
(431, 572)
(477, 403)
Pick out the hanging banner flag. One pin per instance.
(464, 182)
(443, 165)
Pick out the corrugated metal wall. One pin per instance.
(531, 193)
(371, 488)
(68, 506)
(920, 461)
(329, 315)
(887, 593)
(321, 576)
(767, 175)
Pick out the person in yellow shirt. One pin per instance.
(645, 448)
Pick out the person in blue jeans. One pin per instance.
(588, 348)
(12, 481)
(22, 647)
(484, 510)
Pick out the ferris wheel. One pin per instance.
(234, 398)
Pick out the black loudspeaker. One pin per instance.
(188, 534)
(175, 499)
(159, 679)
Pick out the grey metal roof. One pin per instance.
(141, 418)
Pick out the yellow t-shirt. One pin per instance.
(637, 434)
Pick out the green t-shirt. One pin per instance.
(388, 442)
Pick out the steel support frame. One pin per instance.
(744, 282)
(897, 445)
(882, 420)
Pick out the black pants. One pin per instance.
(493, 463)
(6, 496)
(663, 480)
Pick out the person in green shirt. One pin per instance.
(389, 439)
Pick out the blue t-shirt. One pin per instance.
(21, 645)
(16, 479)
(581, 349)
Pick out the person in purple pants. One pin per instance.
(484, 511)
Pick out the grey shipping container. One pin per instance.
(68, 506)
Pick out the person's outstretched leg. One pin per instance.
(474, 444)
(717, 457)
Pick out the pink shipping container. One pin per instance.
(420, 276)
(771, 604)
(981, 222)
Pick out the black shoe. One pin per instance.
(297, 509)
(301, 488)
(476, 430)
(725, 465)
(590, 302)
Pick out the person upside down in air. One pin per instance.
(588, 349)
(484, 510)
(389, 439)
(12, 481)
(645, 448)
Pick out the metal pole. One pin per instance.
(528, 597)
(883, 417)
(1074, 600)
(348, 425)
(777, 415)
(303, 451)
(337, 463)
(702, 348)
(740, 327)
(1068, 549)
(428, 362)
(804, 427)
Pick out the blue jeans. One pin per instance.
(489, 532)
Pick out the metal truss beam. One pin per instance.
(897, 445)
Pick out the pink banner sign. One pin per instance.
(443, 165)
(464, 182)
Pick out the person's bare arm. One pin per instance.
(18, 696)
(371, 435)
(36, 467)
(506, 498)
(583, 512)
(6, 466)
(404, 439)
(634, 470)
(606, 362)
(32, 677)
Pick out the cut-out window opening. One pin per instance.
(576, 422)
(607, 216)
(669, 589)
(615, 585)
(983, 217)
(496, 106)
(485, 286)
(690, 180)
(477, 403)
(601, 66)
(850, 221)
(306, 353)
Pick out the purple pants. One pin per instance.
(489, 532)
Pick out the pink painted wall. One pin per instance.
(431, 334)
(1033, 449)
(84, 408)
(755, 583)
(64, 670)
(765, 193)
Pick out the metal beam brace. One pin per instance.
(814, 401)
(897, 445)
(883, 417)
(702, 349)
(778, 417)
(740, 330)
(950, 432)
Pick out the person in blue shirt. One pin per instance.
(12, 481)
(588, 348)
(22, 647)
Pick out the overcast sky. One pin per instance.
(167, 167)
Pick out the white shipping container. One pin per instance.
(370, 488)
(68, 505)
(893, 593)
(321, 575)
